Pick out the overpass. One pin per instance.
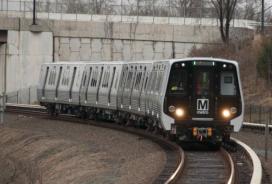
(82, 37)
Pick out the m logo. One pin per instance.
(202, 106)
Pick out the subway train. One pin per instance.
(187, 100)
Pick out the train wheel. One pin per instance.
(83, 115)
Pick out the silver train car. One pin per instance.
(191, 99)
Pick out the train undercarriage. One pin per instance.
(181, 132)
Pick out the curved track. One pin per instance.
(174, 154)
(208, 167)
(237, 165)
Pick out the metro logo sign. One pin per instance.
(202, 106)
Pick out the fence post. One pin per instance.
(250, 110)
(2, 107)
(29, 91)
(18, 97)
(260, 114)
(266, 133)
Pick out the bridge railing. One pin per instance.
(165, 12)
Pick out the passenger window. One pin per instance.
(154, 81)
(84, 79)
(177, 81)
(116, 81)
(227, 84)
(129, 79)
(159, 81)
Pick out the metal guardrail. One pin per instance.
(257, 166)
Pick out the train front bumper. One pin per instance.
(202, 131)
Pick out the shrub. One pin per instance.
(265, 58)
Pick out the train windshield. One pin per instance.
(203, 78)
(202, 83)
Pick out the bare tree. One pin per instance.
(187, 8)
(87, 6)
(225, 10)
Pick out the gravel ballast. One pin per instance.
(256, 140)
(34, 150)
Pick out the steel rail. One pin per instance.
(256, 177)
(231, 179)
(174, 153)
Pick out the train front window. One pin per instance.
(202, 83)
(227, 84)
(178, 81)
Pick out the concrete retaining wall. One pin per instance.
(93, 49)
(29, 46)
(25, 53)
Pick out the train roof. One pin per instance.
(204, 58)
(171, 61)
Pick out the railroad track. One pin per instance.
(174, 154)
(208, 167)
(235, 163)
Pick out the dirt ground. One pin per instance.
(38, 151)
(256, 140)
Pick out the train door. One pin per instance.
(203, 93)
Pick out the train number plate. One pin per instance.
(204, 132)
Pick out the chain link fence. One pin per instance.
(201, 10)
(258, 114)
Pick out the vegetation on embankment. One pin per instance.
(252, 56)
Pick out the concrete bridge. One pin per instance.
(68, 37)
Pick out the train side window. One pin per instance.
(67, 75)
(227, 84)
(113, 76)
(111, 84)
(129, 79)
(116, 81)
(150, 80)
(146, 81)
(49, 78)
(138, 80)
(54, 77)
(89, 76)
(159, 81)
(93, 78)
(143, 78)
(84, 79)
(107, 79)
(154, 81)
(123, 78)
(104, 82)
(178, 81)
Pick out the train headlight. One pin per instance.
(226, 113)
(180, 112)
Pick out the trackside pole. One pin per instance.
(2, 108)
(266, 133)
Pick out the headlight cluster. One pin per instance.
(228, 112)
(179, 112)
